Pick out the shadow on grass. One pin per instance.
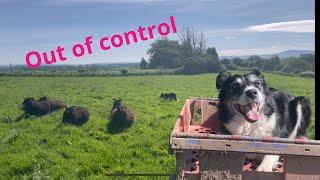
(116, 126)
(27, 116)
(22, 116)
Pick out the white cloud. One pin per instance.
(289, 26)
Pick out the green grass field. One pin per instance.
(42, 146)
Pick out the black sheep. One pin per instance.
(121, 117)
(44, 98)
(54, 104)
(76, 115)
(34, 107)
(121, 112)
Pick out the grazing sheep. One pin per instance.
(121, 112)
(54, 104)
(168, 96)
(34, 107)
(121, 117)
(75, 115)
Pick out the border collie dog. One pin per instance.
(249, 107)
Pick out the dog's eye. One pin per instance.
(257, 83)
(236, 84)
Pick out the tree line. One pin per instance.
(304, 65)
(190, 55)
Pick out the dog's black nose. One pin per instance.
(252, 93)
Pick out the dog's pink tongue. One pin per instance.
(253, 113)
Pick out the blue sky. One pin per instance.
(234, 27)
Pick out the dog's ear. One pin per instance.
(221, 78)
(256, 72)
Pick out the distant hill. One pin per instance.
(294, 53)
(283, 54)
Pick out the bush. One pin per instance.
(143, 64)
(230, 66)
(201, 64)
(124, 72)
(213, 66)
(194, 66)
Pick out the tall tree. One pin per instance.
(202, 43)
(213, 52)
(237, 61)
(165, 53)
(255, 61)
(143, 63)
(272, 64)
(192, 42)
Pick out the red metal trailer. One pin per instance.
(202, 152)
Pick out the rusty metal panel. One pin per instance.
(186, 167)
(245, 138)
(304, 168)
(245, 146)
(180, 161)
(221, 165)
(254, 175)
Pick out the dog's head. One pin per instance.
(242, 95)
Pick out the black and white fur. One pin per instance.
(275, 113)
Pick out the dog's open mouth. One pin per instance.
(249, 111)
